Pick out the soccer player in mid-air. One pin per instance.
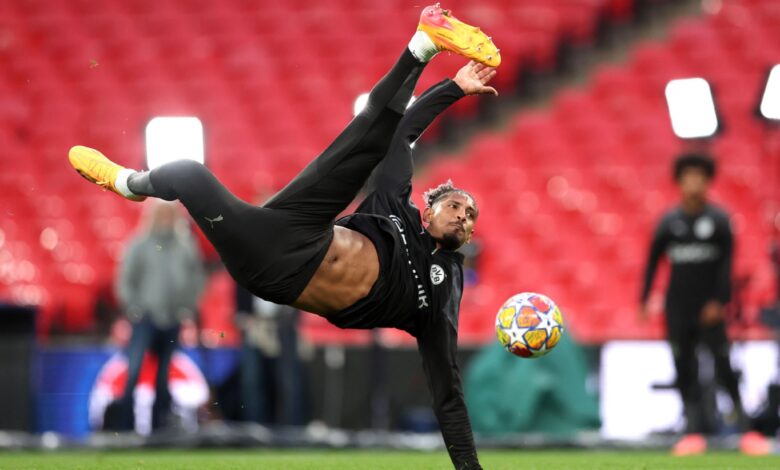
(381, 266)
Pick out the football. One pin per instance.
(529, 325)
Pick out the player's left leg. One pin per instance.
(682, 335)
(246, 237)
(332, 181)
(717, 342)
(714, 337)
(398, 162)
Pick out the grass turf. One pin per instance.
(351, 459)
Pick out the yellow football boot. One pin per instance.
(451, 34)
(96, 168)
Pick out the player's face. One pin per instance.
(693, 184)
(451, 220)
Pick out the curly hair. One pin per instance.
(434, 195)
(700, 161)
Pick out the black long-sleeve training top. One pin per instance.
(418, 290)
(699, 248)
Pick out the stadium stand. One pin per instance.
(96, 72)
(571, 193)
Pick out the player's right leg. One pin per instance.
(331, 182)
(451, 34)
(434, 101)
(683, 339)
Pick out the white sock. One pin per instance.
(121, 182)
(422, 47)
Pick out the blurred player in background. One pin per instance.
(379, 267)
(696, 237)
(160, 280)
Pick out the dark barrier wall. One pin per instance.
(373, 388)
(351, 388)
(17, 330)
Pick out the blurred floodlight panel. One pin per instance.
(362, 100)
(633, 408)
(691, 108)
(173, 138)
(770, 103)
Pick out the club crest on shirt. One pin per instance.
(704, 228)
(437, 274)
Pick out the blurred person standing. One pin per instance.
(160, 281)
(271, 371)
(696, 238)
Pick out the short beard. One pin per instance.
(450, 241)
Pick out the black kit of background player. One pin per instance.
(697, 240)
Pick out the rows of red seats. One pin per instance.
(570, 195)
(273, 83)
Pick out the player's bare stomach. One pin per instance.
(346, 275)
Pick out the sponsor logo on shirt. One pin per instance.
(422, 296)
(683, 253)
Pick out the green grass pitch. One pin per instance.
(354, 459)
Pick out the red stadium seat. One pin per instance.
(558, 188)
(595, 176)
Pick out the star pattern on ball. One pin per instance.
(529, 325)
(545, 324)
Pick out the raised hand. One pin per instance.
(473, 77)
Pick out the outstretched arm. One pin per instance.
(437, 347)
(395, 172)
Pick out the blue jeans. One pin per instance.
(273, 388)
(162, 342)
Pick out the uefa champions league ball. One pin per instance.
(529, 325)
